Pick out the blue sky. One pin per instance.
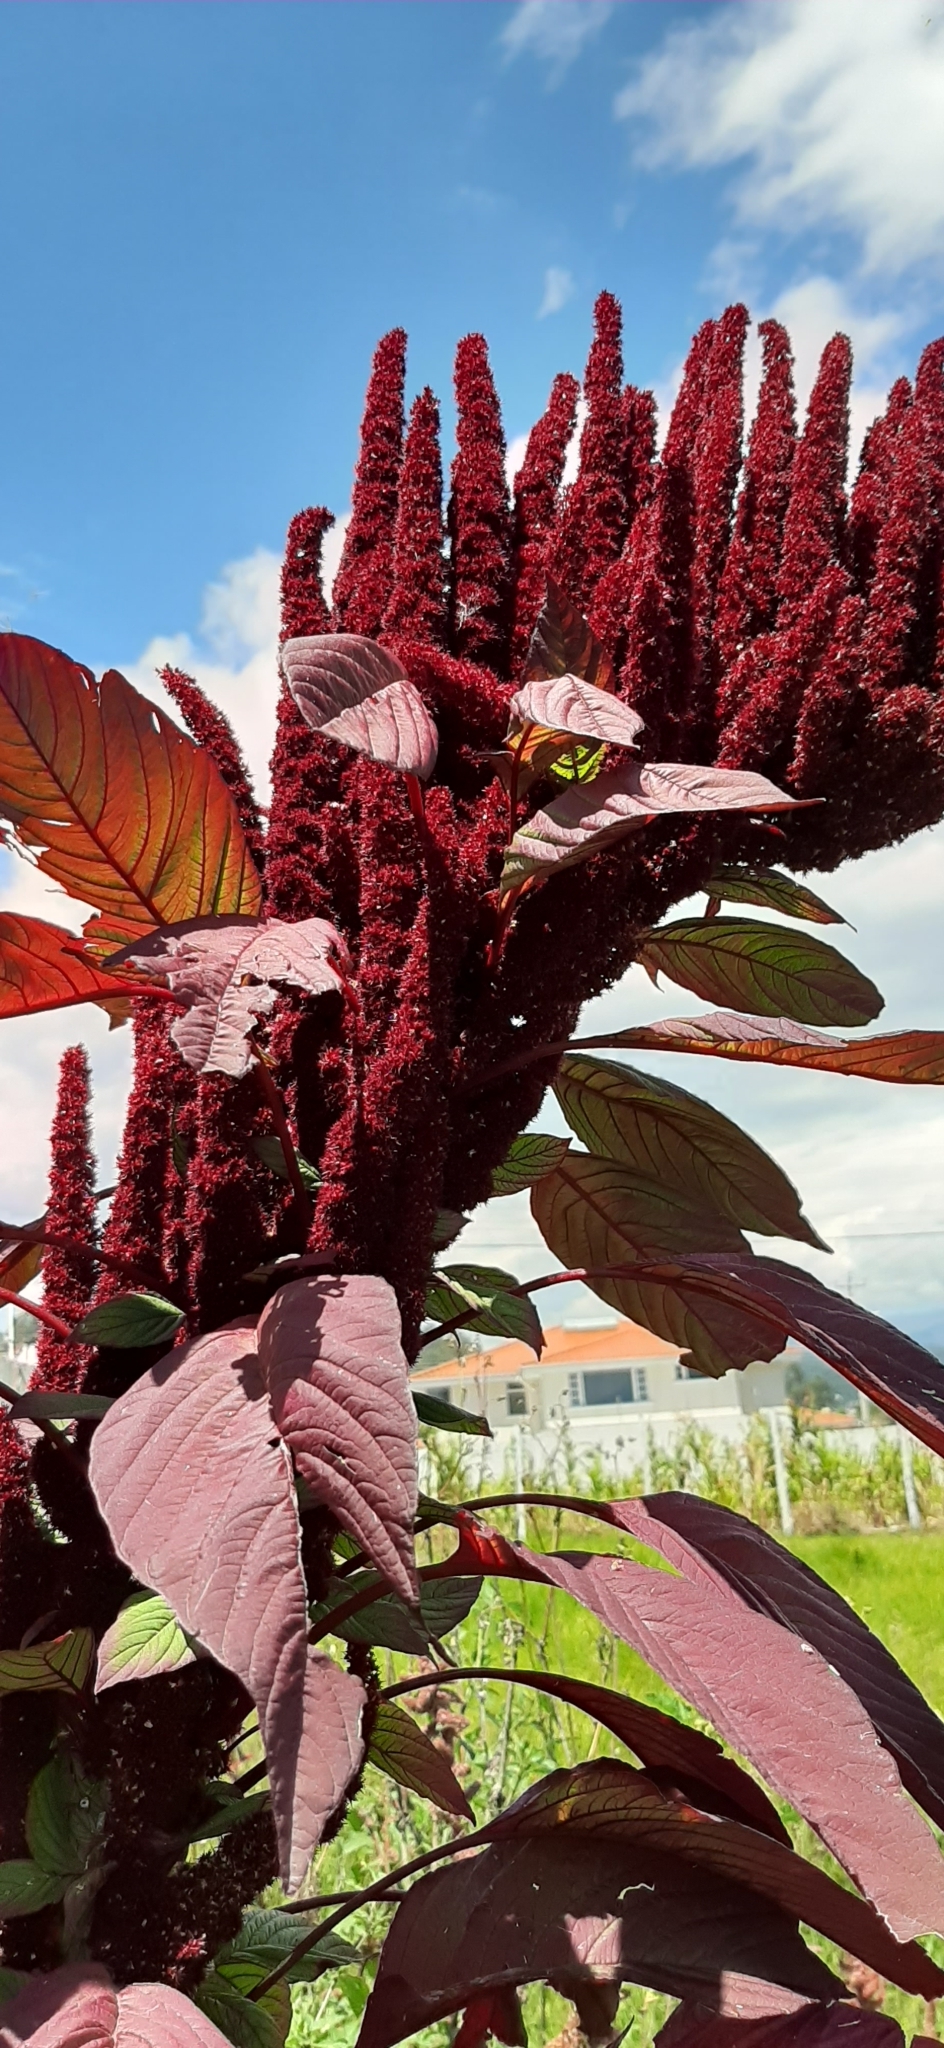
(209, 212)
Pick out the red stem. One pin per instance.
(35, 1308)
(662, 1270)
(28, 1233)
(415, 796)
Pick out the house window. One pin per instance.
(606, 1389)
(685, 1372)
(642, 1383)
(446, 1394)
(517, 1398)
(573, 1389)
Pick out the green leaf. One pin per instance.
(445, 1415)
(484, 1292)
(144, 1639)
(527, 1158)
(25, 1888)
(11, 1981)
(268, 1935)
(129, 1321)
(774, 890)
(63, 1818)
(448, 1224)
(651, 1125)
(581, 763)
(269, 1150)
(388, 1624)
(594, 1213)
(248, 2023)
(404, 1751)
(761, 968)
(61, 1665)
(36, 1407)
(229, 1814)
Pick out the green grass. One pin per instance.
(505, 1737)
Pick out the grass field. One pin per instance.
(504, 1737)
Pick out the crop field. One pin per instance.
(502, 1737)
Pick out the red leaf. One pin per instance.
(773, 1698)
(816, 2026)
(38, 973)
(401, 1748)
(356, 691)
(201, 1504)
(692, 1533)
(587, 819)
(760, 966)
(337, 1378)
(78, 2007)
(224, 971)
(130, 815)
(530, 1910)
(562, 644)
(498, 2013)
(608, 1800)
(916, 1056)
(569, 704)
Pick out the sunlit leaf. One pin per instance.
(357, 692)
(569, 704)
(124, 810)
(816, 2026)
(915, 1056)
(41, 970)
(79, 2007)
(25, 1887)
(586, 821)
(774, 891)
(562, 644)
(645, 1122)
(398, 1746)
(528, 1157)
(764, 968)
(144, 1639)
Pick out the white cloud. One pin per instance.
(559, 286)
(554, 31)
(837, 112)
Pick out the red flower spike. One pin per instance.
(536, 488)
(782, 665)
(226, 1188)
(592, 521)
(68, 1284)
(363, 582)
(479, 518)
(135, 1227)
(657, 672)
(898, 639)
(868, 507)
(417, 602)
(717, 463)
(747, 595)
(303, 605)
(213, 732)
(688, 410)
(814, 526)
(611, 599)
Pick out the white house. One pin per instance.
(610, 1385)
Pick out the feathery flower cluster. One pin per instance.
(760, 616)
(67, 1281)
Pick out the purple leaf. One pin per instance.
(816, 2026)
(201, 1504)
(609, 1800)
(337, 1377)
(890, 1368)
(558, 1906)
(225, 970)
(78, 2007)
(569, 704)
(356, 691)
(773, 1698)
(692, 1533)
(586, 820)
(562, 644)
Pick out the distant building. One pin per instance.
(607, 1384)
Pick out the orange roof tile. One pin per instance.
(562, 1347)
